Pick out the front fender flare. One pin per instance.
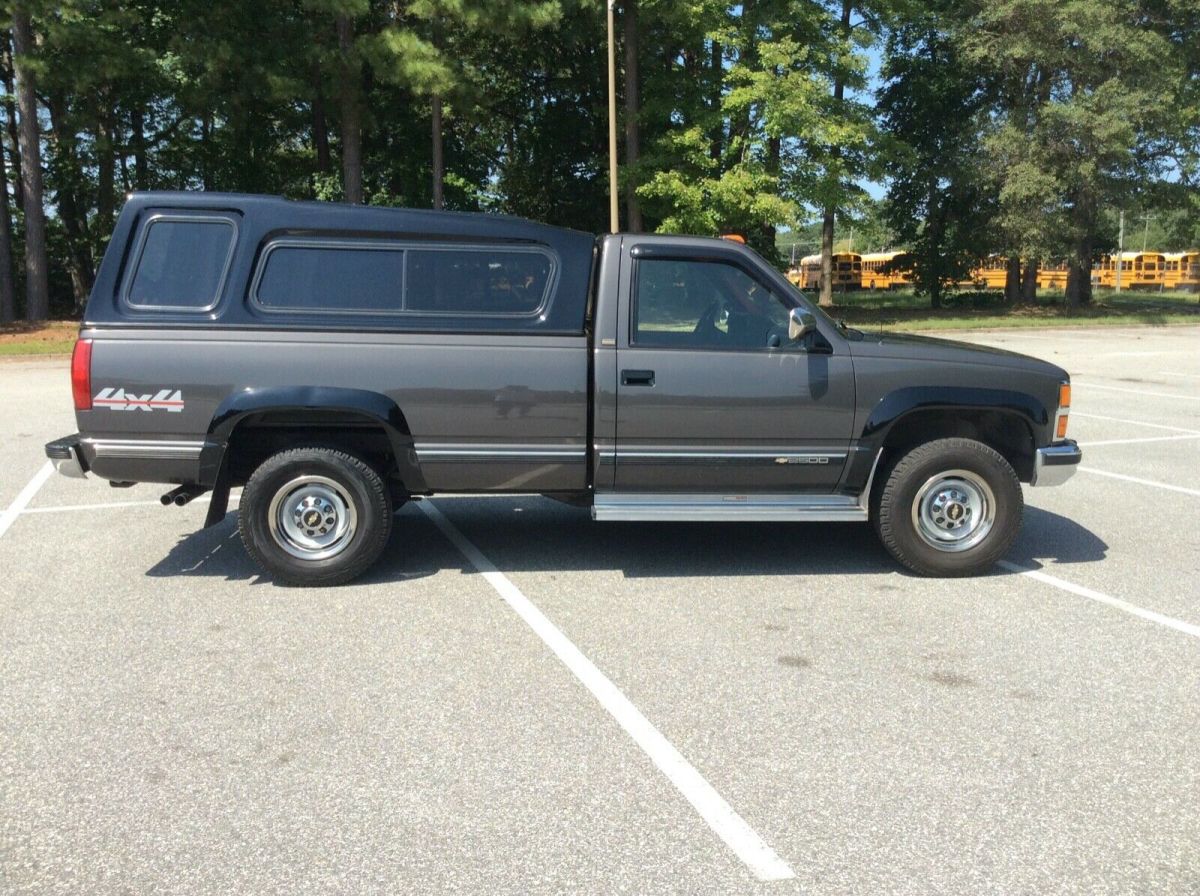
(899, 403)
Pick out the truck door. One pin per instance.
(712, 397)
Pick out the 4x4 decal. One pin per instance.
(119, 400)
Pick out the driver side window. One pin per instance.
(704, 305)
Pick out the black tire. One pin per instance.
(357, 500)
(959, 482)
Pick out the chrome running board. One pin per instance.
(632, 507)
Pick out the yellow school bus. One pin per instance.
(1052, 275)
(847, 272)
(1139, 270)
(876, 275)
(992, 273)
(1182, 271)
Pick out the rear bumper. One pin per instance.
(133, 460)
(1055, 464)
(67, 456)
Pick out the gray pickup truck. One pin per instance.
(337, 361)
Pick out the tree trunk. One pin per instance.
(774, 155)
(439, 159)
(320, 127)
(1079, 282)
(137, 136)
(827, 219)
(1012, 281)
(349, 89)
(1029, 282)
(935, 293)
(935, 231)
(826, 294)
(37, 283)
(8, 301)
(72, 211)
(106, 171)
(633, 210)
(10, 108)
(717, 74)
(1079, 268)
(206, 129)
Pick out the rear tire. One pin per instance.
(951, 507)
(315, 516)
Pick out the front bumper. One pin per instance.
(1055, 464)
(66, 456)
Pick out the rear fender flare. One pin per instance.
(311, 399)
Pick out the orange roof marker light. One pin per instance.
(734, 238)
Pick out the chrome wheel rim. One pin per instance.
(312, 518)
(954, 511)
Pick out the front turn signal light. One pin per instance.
(1061, 432)
(1064, 396)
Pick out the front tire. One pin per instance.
(951, 507)
(315, 516)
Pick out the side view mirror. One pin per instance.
(800, 324)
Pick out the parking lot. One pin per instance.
(519, 700)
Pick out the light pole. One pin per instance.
(613, 223)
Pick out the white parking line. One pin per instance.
(711, 806)
(1194, 432)
(1162, 485)
(1190, 376)
(14, 509)
(1133, 609)
(67, 508)
(1086, 386)
(106, 505)
(1139, 441)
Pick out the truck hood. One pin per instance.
(905, 346)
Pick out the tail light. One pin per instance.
(81, 374)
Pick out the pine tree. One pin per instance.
(37, 284)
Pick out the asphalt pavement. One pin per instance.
(518, 700)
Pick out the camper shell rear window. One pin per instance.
(181, 262)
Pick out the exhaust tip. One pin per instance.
(182, 494)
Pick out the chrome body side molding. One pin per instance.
(474, 452)
(144, 449)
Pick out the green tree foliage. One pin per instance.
(774, 134)
(932, 107)
(1085, 101)
(1018, 126)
